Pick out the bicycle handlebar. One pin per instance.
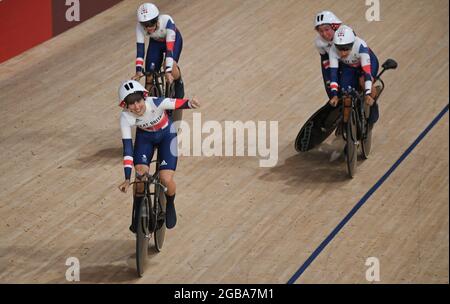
(152, 71)
(353, 92)
(151, 181)
(149, 73)
(164, 188)
(148, 178)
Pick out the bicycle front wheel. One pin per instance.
(160, 211)
(142, 236)
(366, 140)
(169, 90)
(366, 143)
(156, 90)
(351, 144)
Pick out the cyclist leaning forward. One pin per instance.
(153, 128)
(359, 66)
(164, 38)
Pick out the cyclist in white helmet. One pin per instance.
(325, 23)
(153, 128)
(165, 38)
(358, 67)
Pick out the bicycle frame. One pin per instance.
(357, 103)
(158, 81)
(159, 84)
(360, 107)
(150, 180)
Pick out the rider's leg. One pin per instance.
(138, 191)
(179, 90)
(374, 89)
(374, 110)
(153, 61)
(167, 180)
(168, 155)
(373, 114)
(176, 72)
(178, 81)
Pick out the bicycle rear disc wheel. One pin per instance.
(160, 231)
(351, 145)
(366, 143)
(142, 236)
(302, 142)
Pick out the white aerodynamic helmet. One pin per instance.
(129, 87)
(147, 12)
(344, 37)
(327, 17)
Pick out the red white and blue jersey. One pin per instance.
(359, 57)
(323, 47)
(154, 119)
(165, 31)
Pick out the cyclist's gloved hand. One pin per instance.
(369, 100)
(137, 76)
(124, 186)
(194, 103)
(334, 101)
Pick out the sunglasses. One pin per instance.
(344, 47)
(150, 23)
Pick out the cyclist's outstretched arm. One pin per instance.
(176, 103)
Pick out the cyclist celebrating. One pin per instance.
(358, 69)
(165, 38)
(153, 127)
(325, 23)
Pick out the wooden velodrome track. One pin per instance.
(238, 222)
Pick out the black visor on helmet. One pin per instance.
(150, 23)
(344, 47)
